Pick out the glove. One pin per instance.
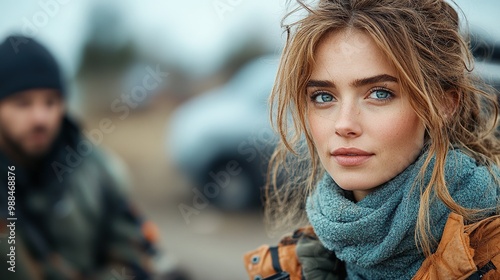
(317, 262)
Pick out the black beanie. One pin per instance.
(25, 64)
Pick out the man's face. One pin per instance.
(30, 121)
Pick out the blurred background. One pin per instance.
(195, 137)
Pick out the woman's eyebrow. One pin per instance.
(356, 83)
(374, 80)
(320, 83)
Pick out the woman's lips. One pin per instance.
(351, 156)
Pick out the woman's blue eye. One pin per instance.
(322, 98)
(381, 94)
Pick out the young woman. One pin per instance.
(384, 132)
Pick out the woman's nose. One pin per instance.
(347, 121)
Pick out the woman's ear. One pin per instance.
(451, 104)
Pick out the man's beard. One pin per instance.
(15, 147)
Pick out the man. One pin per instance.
(58, 221)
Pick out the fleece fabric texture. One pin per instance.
(375, 236)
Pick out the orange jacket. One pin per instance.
(464, 252)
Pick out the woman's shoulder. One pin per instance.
(465, 251)
(471, 183)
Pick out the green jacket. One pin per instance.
(74, 220)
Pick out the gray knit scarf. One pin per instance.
(375, 236)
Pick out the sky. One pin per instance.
(483, 15)
(194, 34)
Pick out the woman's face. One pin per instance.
(363, 126)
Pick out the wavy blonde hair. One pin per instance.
(422, 39)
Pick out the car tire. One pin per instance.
(233, 191)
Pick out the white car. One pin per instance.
(227, 126)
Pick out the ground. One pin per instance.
(211, 245)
